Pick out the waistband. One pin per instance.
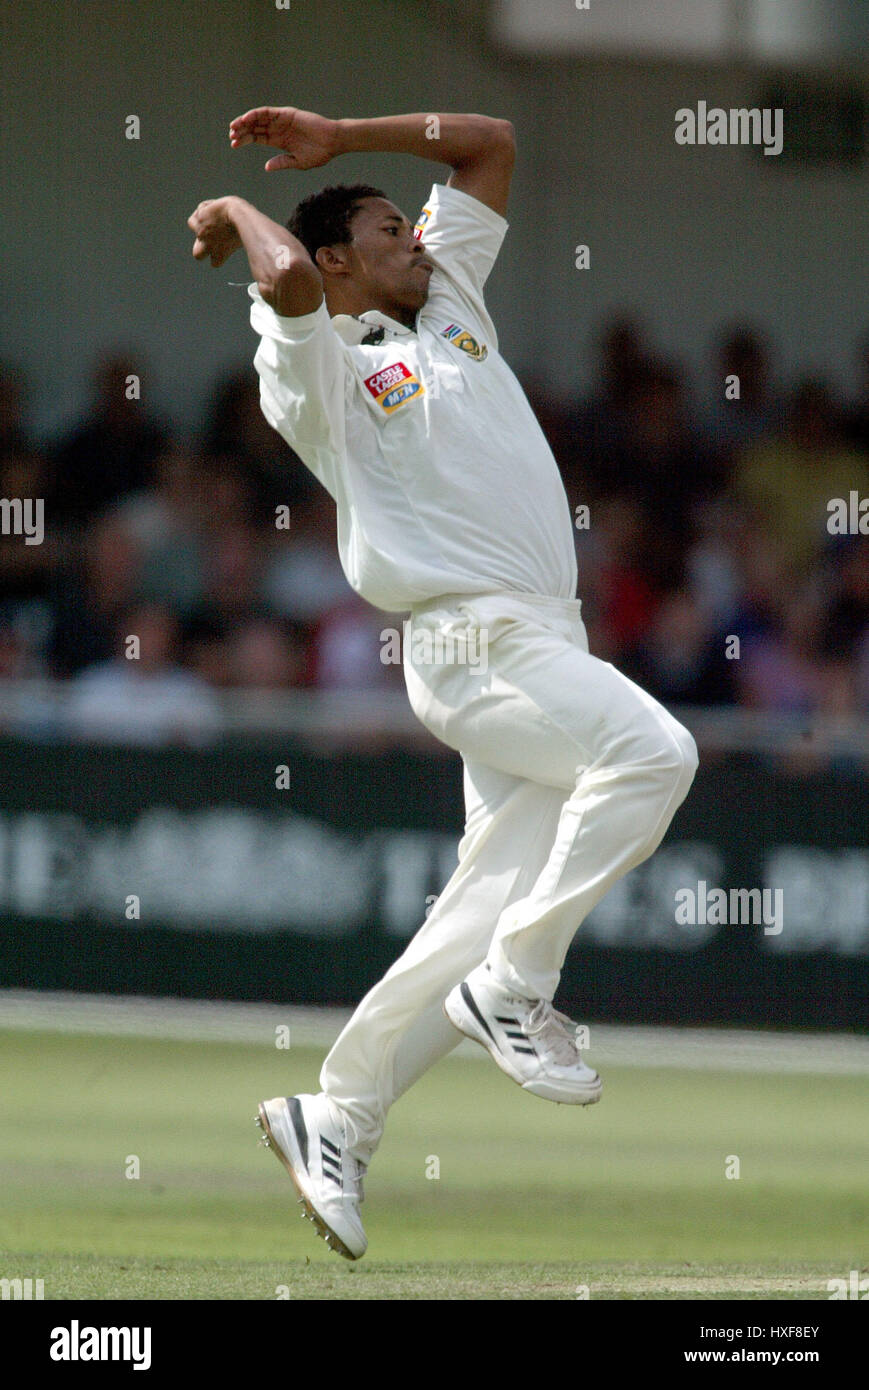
(542, 603)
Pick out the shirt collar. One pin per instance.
(353, 330)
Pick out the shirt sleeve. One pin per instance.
(462, 235)
(303, 377)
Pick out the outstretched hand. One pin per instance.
(306, 139)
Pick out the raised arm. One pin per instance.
(287, 278)
(479, 149)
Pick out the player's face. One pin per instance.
(386, 260)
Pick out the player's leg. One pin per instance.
(639, 770)
(547, 709)
(399, 1029)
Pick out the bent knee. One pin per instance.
(668, 751)
(688, 757)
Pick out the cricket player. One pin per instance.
(379, 364)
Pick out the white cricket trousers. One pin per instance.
(571, 776)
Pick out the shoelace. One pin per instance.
(555, 1031)
(353, 1174)
(353, 1170)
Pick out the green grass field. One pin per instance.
(534, 1201)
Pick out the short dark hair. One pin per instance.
(324, 218)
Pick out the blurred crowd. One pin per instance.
(707, 568)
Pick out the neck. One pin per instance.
(338, 301)
(402, 315)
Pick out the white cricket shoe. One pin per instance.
(304, 1134)
(530, 1041)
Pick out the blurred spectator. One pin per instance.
(228, 497)
(234, 555)
(733, 425)
(763, 570)
(618, 601)
(623, 356)
(26, 564)
(349, 647)
(262, 655)
(98, 582)
(233, 574)
(168, 522)
(13, 433)
(683, 660)
(25, 569)
(660, 466)
(846, 622)
(14, 662)
(714, 565)
(786, 669)
(238, 430)
(205, 649)
(790, 478)
(112, 453)
(147, 699)
(303, 579)
(559, 421)
(600, 423)
(861, 674)
(858, 421)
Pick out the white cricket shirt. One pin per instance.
(443, 479)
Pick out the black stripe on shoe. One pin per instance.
(471, 1003)
(331, 1165)
(299, 1126)
(518, 1039)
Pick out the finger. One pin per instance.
(200, 250)
(246, 117)
(259, 116)
(280, 161)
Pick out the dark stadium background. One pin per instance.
(707, 517)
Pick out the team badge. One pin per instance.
(460, 339)
(421, 221)
(394, 385)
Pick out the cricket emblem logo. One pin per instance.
(393, 385)
(462, 339)
(420, 223)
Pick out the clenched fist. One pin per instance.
(215, 231)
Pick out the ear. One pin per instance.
(333, 260)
